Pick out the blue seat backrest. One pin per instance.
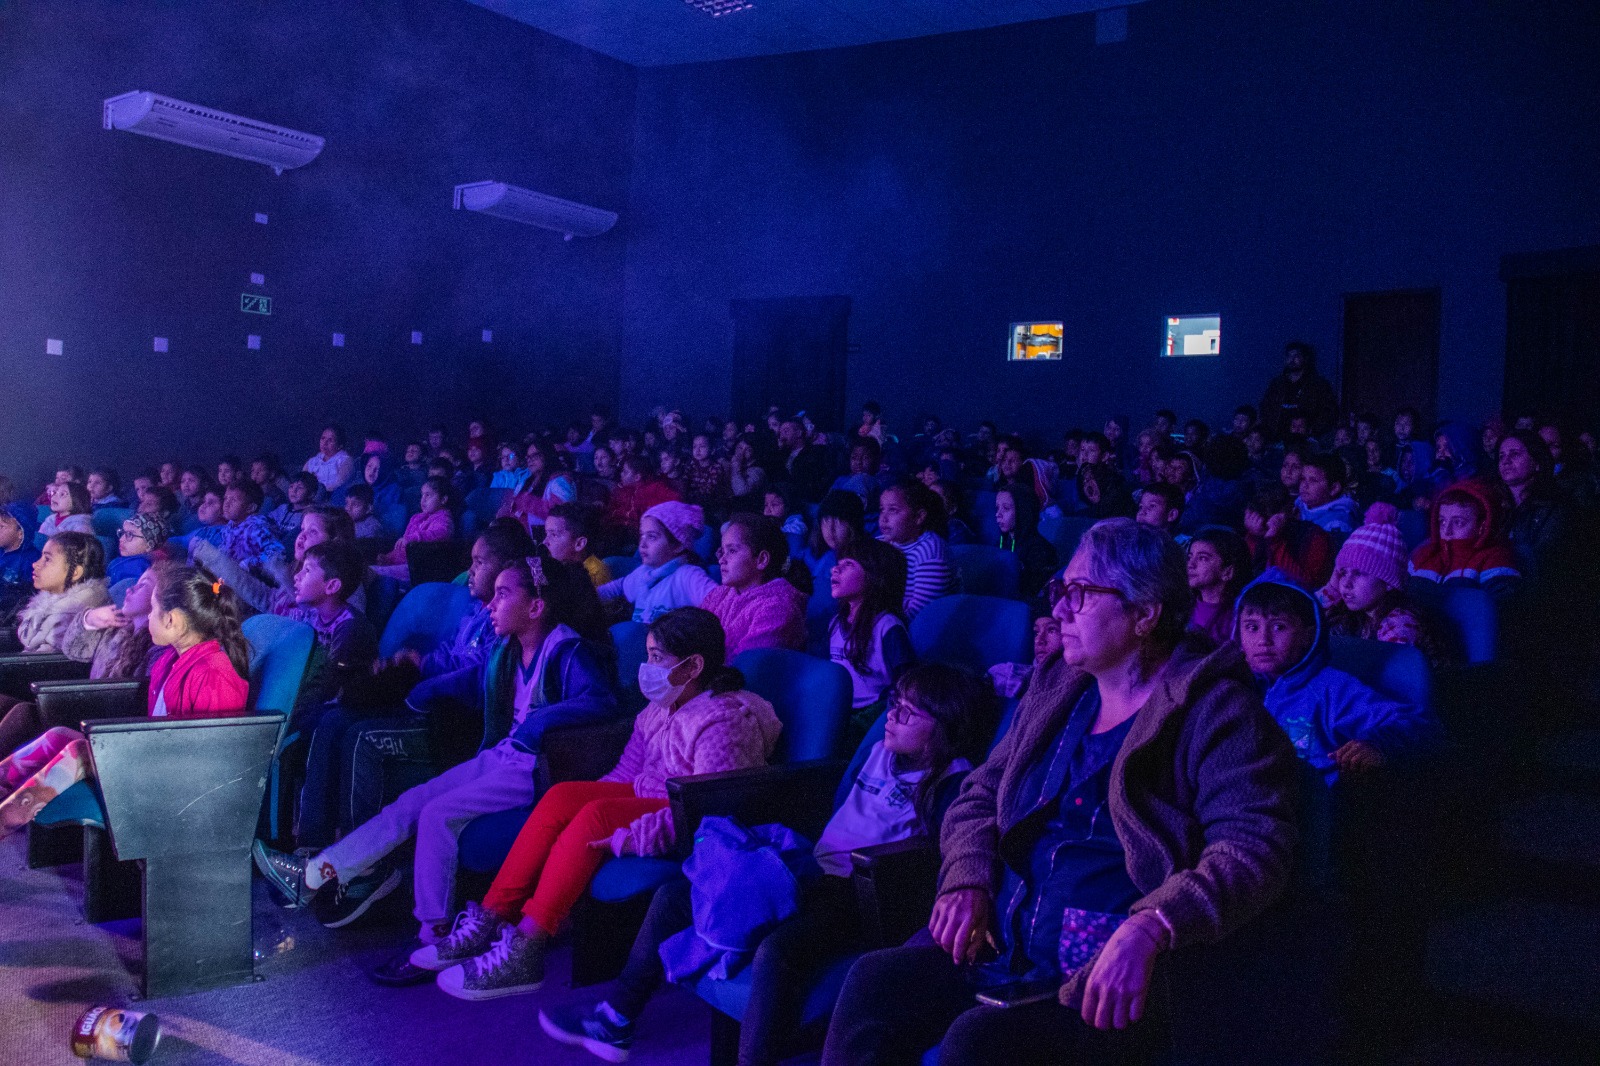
(629, 638)
(1471, 611)
(280, 649)
(1413, 528)
(119, 591)
(1063, 532)
(392, 518)
(705, 545)
(485, 503)
(986, 570)
(811, 697)
(108, 521)
(621, 565)
(1396, 670)
(982, 510)
(975, 632)
(428, 616)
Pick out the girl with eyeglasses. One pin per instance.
(939, 719)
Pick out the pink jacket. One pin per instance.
(711, 733)
(200, 683)
(771, 615)
(435, 525)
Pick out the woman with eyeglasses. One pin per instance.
(938, 719)
(1142, 802)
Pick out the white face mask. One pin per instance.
(654, 683)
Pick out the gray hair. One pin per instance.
(1147, 567)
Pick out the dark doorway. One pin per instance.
(1391, 352)
(791, 352)
(1553, 334)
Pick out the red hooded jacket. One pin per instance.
(1485, 559)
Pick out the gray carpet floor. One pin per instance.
(313, 1005)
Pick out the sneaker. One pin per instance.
(474, 933)
(590, 1029)
(398, 972)
(514, 965)
(284, 872)
(347, 902)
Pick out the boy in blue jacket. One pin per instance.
(1337, 723)
(17, 556)
(540, 674)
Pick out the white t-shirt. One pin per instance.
(866, 684)
(880, 809)
(528, 685)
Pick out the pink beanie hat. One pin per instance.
(1377, 549)
(685, 521)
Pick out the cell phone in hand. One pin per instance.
(1019, 993)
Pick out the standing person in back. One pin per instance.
(1299, 391)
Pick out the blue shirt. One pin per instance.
(1076, 860)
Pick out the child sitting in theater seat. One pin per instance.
(1322, 500)
(69, 576)
(868, 634)
(1219, 569)
(1279, 538)
(699, 721)
(358, 505)
(433, 523)
(568, 531)
(541, 673)
(1337, 723)
(1465, 546)
(669, 575)
(759, 602)
(939, 720)
(201, 674)
(909, 515)
(1367, 576)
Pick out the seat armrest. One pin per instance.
(581, 752)
(19, 671)
(895, 885)
(70, 703)
(797, 795)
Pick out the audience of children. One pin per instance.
(521, 661)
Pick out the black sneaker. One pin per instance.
(513, 966)
(590, 1029)
(349, 901)
(284, 872)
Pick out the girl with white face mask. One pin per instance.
(699, 721)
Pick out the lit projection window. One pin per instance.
(718, 8)
(1193, 335)
(1033, 341)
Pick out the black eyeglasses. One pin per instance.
(1074, 592)
(901, 711)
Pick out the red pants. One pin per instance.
(551, 864)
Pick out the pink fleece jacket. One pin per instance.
(712, 733)
(771, 615)
(433, 525)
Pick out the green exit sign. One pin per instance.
(255, 305)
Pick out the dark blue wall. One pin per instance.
(108, 239)
(1257, 159)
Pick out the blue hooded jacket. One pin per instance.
(1322, 708)
(579, 687)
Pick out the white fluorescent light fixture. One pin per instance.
(210, 130)
(534, 208)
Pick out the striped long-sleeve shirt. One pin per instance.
(929, 572)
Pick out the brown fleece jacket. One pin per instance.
(1203, 795)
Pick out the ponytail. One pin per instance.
(211, 607)
(84, 555)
